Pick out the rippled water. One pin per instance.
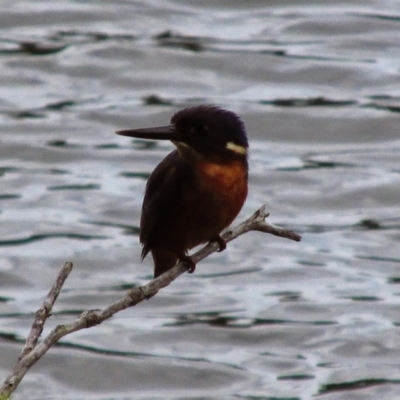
(317, 84)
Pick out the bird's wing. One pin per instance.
(162, 196)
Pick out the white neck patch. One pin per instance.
(236, 148)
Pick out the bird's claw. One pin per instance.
(221, 242)
(191, 265)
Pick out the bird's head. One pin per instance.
(202, 131)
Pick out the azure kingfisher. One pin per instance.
(198, 189)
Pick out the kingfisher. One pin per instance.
(198, 189)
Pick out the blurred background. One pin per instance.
(317, 84)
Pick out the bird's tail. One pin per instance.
(163, 260)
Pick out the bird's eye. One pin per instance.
(198, 130)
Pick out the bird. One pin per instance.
(198, 189)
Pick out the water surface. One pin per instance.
(317, 85)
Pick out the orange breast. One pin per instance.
(226, 185)
(231, 177)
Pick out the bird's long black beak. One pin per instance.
(167, 132)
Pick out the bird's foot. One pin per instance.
(189, 262)
(221, 242)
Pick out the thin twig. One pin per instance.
(32, 351)
(44, 312)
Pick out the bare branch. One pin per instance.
(45, 311)
(32, 351)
